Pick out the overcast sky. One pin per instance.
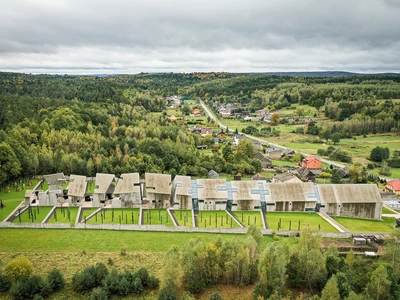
(132, 36)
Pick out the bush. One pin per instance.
(111, 283)
(101, 272)
(215, 296)
(143, 274)
(153, 283)
(27, 288)
(98, 294)
(18, 267)
(124, 287)
(83, 281)
(5, 284)
(38, 297)
(55, 280)
(137, 286)
(167, 293)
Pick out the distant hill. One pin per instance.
(328, 74)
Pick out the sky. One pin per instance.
(128, 37)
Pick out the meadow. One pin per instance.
(157, 217)
(248, 218)
(364, 225)
(65, 215)
(116, 216)
(39, 213)
(184, 217)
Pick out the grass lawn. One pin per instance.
(184, 217)
(283, 163)
(13, 198)
(41, 213)
(306, 219)
(387, 211)
(215, 219)
(124, 213)
(248, 218)
(364, 225)
(90, 187)
(15, 239)
(157, 217)
(62, 215)
(88, 211)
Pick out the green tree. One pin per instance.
(379, 284)
(10, 166)
(379, 154)
(331, 291)
(275, 119)
(55, 280)
(18, 267)
(246, 148)
(335, 138)
(98, 294)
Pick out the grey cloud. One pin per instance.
(242, 35)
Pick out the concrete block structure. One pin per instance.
(158, 190)
(180, 192)
(300, 196)
(212, 194)
(351, 200)
(103, 189)
(128, 192)
(55, 192)
(77, 189)
(247, 195)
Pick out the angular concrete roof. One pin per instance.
(128, 183)
(183, 185)
(55, 180)
(349, 193)
(103, 182)
(291, 191)
(28, 193)
(77, 186)
(160, 183)
(212, 189)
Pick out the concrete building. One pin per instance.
(285, 178)
(247, 195)
(351, 200)
(77, 189)
(55, 191)
(212, 194)
(128, 192)
(158, 190)
(103, 189)
(274, 153)
(181, 196)
(300, 196)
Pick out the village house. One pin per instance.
(285, 178)
(274, 153)
(196, 112)
(393, 187)
(312, 163)
(265, 161)
(206, 131)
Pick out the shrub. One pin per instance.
(4, 283)
(98, 294)
(167, 293)
(215, 296)
(153, 283)
(27, 288)
(56, 280)
(143, 274)
(110, 261)
(38, 297)
(137, 286)
(123, 287)
(111, 282)
(83, 281)
(101, 272)
(124, 252)
(18, 267)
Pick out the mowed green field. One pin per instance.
(184, 217)
(307, 219)
(87, 212)
(364, 225)
(123, 215)
(157, 217)
(248, 218)
(96, 240)
(13, 198)
(40, 213)
(215, 219)
(61, 215)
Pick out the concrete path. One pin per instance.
(331, 221)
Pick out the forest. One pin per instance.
(118, 124)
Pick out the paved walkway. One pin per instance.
(331, 221)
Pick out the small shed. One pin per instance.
(359, 241)
(212, 174)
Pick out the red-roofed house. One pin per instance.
(206, 131)
(312, 163)
(393, 186)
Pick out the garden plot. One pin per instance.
(184, 217)
(215, 219)
(64, 215)
(34, 214)
(116, 216)
(297, 221)
(157, 217)
(248, 218)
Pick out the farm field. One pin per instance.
(184, 217)
(120, 214)
(215, 219)
(306, 219)
(364, 225)
(40, 213)
(248, 218)
(62, 215)
(157, 217)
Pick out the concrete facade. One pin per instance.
(180, 192)
(158, 190)
(103, 189)
(77, 189)
(55, 192)
(128, 191)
